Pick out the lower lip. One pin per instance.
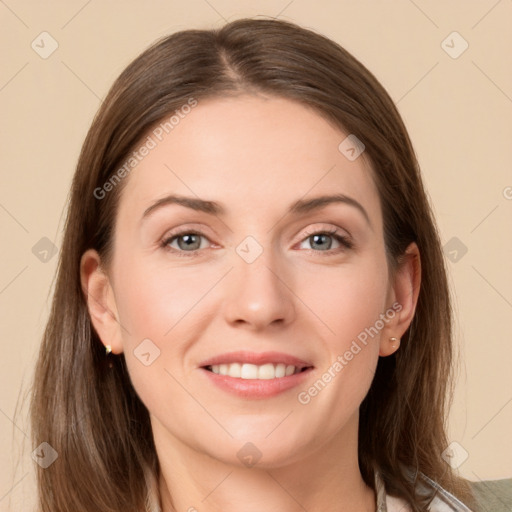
(256, 388)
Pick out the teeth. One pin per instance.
(252, 371)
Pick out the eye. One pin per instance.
(189, 243)
(186, 241)
(322, 241)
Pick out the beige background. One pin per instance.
(457, 110)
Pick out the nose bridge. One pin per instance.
(258, 295)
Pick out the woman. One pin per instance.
(251, 309)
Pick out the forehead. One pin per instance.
(247, 152)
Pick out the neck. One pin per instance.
(325, 478)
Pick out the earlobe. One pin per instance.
(406, 288)
(388, 346)
(100, 300)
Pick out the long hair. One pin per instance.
(90, 413)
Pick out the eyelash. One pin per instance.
(343, 240)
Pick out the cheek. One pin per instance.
(348, 299)
(153, 301)
(156, 304)
(349, 302)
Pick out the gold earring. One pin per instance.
(108, 349)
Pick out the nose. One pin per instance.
(258, 294)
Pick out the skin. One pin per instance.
(255, 155)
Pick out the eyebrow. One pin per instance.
(298, 207)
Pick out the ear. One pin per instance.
(100, 299)
(404, 297)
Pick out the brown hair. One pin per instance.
(91, 414)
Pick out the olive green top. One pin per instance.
(493, 495)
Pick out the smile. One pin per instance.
(252, 371)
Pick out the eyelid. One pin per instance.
(325, 228)
(186, 229)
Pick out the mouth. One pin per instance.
(251, 375)
(255, 366)
(267, 371)
(249, 381)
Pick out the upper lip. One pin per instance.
(256, 358)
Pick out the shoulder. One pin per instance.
(493, 495)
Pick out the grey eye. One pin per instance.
(187, 242)
(320, 241)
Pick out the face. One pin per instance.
(250, 269)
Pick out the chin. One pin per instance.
(256, 451)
